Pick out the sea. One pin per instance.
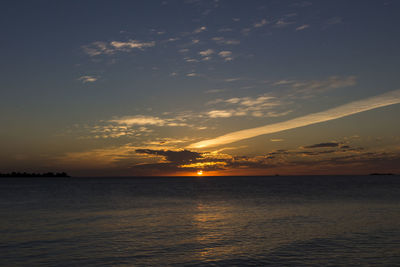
(201, 221)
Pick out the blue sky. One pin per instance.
(123, 87)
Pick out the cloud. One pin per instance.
(200, 29)
(261, 23)
(168, 141)
(114, 131)
(98, 158)
(355, 107)
(336, 149)
(332, 82)
(310, 88)
(245, 31)
(334, 20)
(220, 113)
(206, 52)
(226, 55)
(87, 79)
(178, 157)
(146, 120)
(225, 30)
(261, 100)
(283, 82)
(97, 48)
(247, 106)
(229, 80)
(192, 74)
(181, 160)
(302, 27)
(222, 41)
(173, 39)
(282, 23)
(190, 60)
(138, 125)
(140, 120)
(131, 44)
(103, 48)
(320, 145)
(214, 91)
(256, 102)
(169, 161)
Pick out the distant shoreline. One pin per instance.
(65, 175)
(192, 177)
(34, 175)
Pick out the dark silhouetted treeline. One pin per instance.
(25, 174)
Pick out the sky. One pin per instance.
(228, 87)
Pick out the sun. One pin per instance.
(200, 172)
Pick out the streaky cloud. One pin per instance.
(386, 99)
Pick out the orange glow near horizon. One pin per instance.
(200, 173)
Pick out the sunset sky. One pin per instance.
(125, 88)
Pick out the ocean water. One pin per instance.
(217, 221)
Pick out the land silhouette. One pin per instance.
(25, 174)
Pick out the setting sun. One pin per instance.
(200, 172)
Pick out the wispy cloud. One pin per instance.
(173, 39)
(261, 106)
(168, 141)
(192, 74)
(140, 120)
(214, 91)
(147, 120)
(88, 79)
(190, 60)
(223, 41)
(323, 145)
(200, 29)
(334, 20)
(207, 52)
(115, 131)
(333, 82)
(283, 82)
(131, 44)
(97, 48)
(226, 55)
(108, 48)
(225, 30)
(302, 27)
(310, 88)
(282, 23)
(178, 157)
(261, 23)
(229, 80)
(355, 107)
(221, 113)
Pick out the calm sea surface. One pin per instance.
(235, 221)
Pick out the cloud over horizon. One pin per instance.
(355, 107)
